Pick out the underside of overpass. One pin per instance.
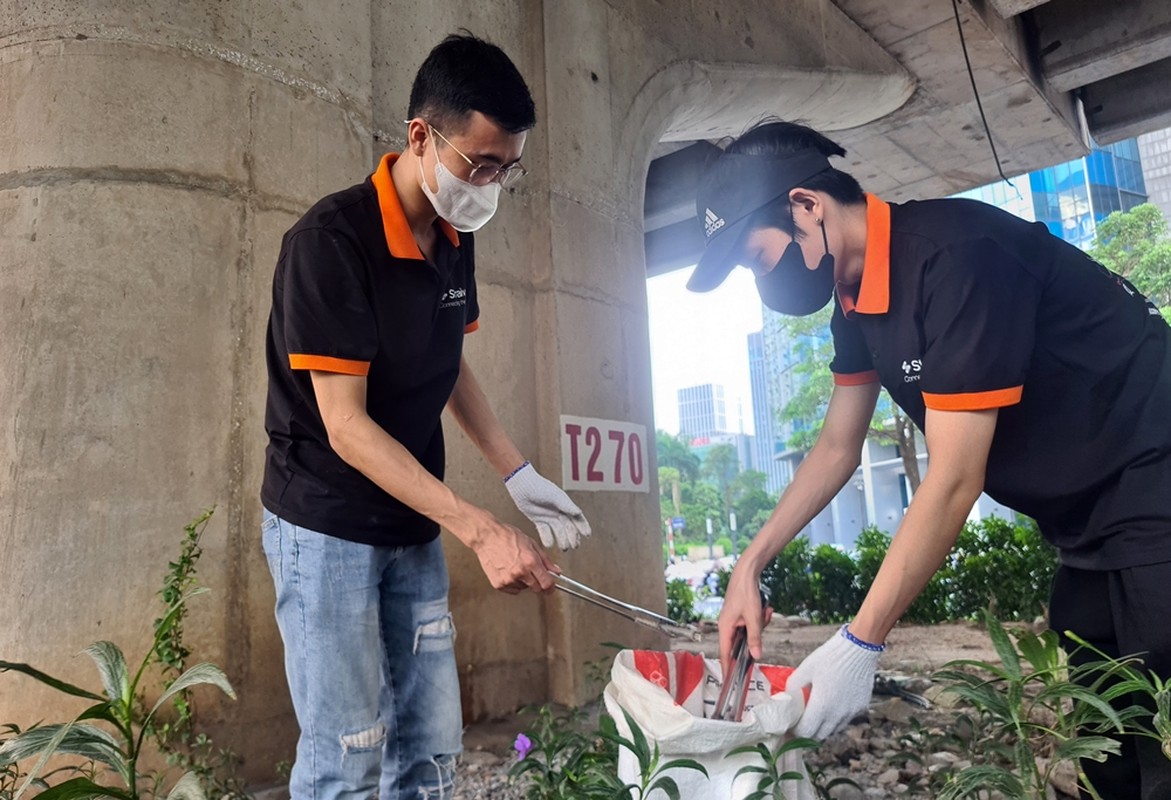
(1051, 74)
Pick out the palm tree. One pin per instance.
(675, 451)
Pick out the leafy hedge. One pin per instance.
(995, 566)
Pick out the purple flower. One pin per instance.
(523, 745)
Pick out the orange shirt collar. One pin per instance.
(399, 239)
(874, 294)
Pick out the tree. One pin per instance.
(670, 488)
(813, 383)
(721, 465)
(701, 502)
(1137, 245)
(675, 451)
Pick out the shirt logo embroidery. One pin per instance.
(453, 298)
(712, 223)
(912, 370)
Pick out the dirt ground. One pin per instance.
(911, 649)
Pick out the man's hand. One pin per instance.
(511, 560)
(557, 518)
(742, 609)
(841, 674)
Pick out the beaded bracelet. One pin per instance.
(508, 477)
(873, 648)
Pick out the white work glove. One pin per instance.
(558, 519)
(842, 676)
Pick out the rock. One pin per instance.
(894, 709)
(912, 769)
(794, 621)
(942, 759)
(888, 778)
(858, 736)
(940, 698)
(874, 793)
(481, 758)
(846, 791)
(918, 685)
(1064, 779)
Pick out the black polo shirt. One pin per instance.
(353, 294)
(963, 306)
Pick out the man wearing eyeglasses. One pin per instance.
(373, 294)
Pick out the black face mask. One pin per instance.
(792, 288)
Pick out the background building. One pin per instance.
(702, 410)
(1155, 154)
(767, 448)
(1073, 197)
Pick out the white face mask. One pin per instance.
(464, 206)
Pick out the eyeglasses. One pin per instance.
(484, 174)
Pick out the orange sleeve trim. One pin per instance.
(856, 378)
(974, 401)
(329, 364)
(474, 325)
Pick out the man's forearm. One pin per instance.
(366, 447)
(958, 442)
(927, 533)
(470, 408)
(818, 479)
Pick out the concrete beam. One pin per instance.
(1085, 41)
(726, 99)
(671, 184)
(1011, 8)
(1129, 104)
(674, 247)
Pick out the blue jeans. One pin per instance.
(371, 665)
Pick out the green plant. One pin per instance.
(1037, 704)
(11, 776)
(998, 565)
(126, 722)
(176, 736)
(836, 594)
(120, 750)
(651, 767)
(769, 787)
(560, 760)
(681, 602)
(787, 578)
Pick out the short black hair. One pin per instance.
(464, 73)
(774, 137)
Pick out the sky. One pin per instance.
(701, 338)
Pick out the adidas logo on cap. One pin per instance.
(712, 223)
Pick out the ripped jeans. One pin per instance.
(371, 665)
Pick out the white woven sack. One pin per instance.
(671, 714)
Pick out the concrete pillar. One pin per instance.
(151, 156)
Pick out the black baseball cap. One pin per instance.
(732, 188)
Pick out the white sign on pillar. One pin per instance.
(603, 455)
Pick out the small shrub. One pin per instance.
(681, 602)
(833, 579)
(1036, 701)
(787, 579)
